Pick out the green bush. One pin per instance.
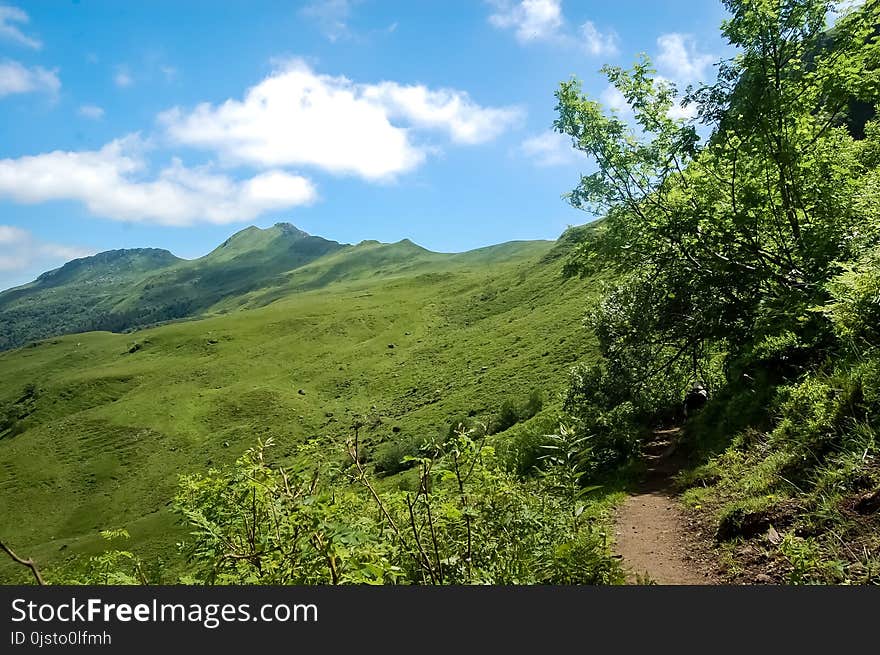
(508, 416)
(466, 521)
(510, 413)
(391, 457)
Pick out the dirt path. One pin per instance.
(654, 538)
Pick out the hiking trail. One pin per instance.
(654, 538)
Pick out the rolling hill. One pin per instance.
(289, 337)
(124, 289)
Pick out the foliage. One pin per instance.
(396, 456)
(854, 304)
(111, 567)
(468, 522)
(748, 261)
(261, 525)
(726, 245)
(508, 416)
(510, 413)
(111, 431)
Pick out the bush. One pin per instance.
(533, 405)
(521, 448)
(510, 413)
(854, 308)
(390, 457)
(508, 416)
(317, 523)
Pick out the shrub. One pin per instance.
(256, 523)
(391, 457)
(508, 416)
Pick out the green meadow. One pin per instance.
(408, 340)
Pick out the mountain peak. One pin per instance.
(290, 229)
(254, 237)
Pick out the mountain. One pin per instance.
(124, 289)
(95, 428)
(121, 290)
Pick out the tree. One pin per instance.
(725, 243)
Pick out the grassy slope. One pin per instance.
(125, 289)
(112, 429)
(71, 297)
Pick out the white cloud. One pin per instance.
(678, 112)
(298, 117)
(543, 20)
(332, 17)
(16, 78)
(531, 20)
(93, 112)
(20, 250)
(597, 43)
(443, 109)
(113, 183)
(123, 78)
(549, 149)
(10, 32)
(612, 98)
(680, 60)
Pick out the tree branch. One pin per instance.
(24, 562)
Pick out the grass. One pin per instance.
(410, 339)
(783, 491)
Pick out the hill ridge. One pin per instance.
(124, 289)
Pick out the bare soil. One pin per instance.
(656, 540)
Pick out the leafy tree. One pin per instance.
(724, 244)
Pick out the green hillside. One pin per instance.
(125, 289)
(100, 425)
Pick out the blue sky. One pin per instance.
(174, 124)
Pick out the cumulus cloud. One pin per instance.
(296, 116)
(114, 183)
(612, 98)
(679, 59)
(20, 251)
(679, 112)
(549, 149)
(530, 20)
(448, 110)
(94, 112)
(10, 18)
(17, 78)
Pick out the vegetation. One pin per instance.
(116, 418)
(466, 521)
(747, 263)
(443, 419)
(125, 289)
